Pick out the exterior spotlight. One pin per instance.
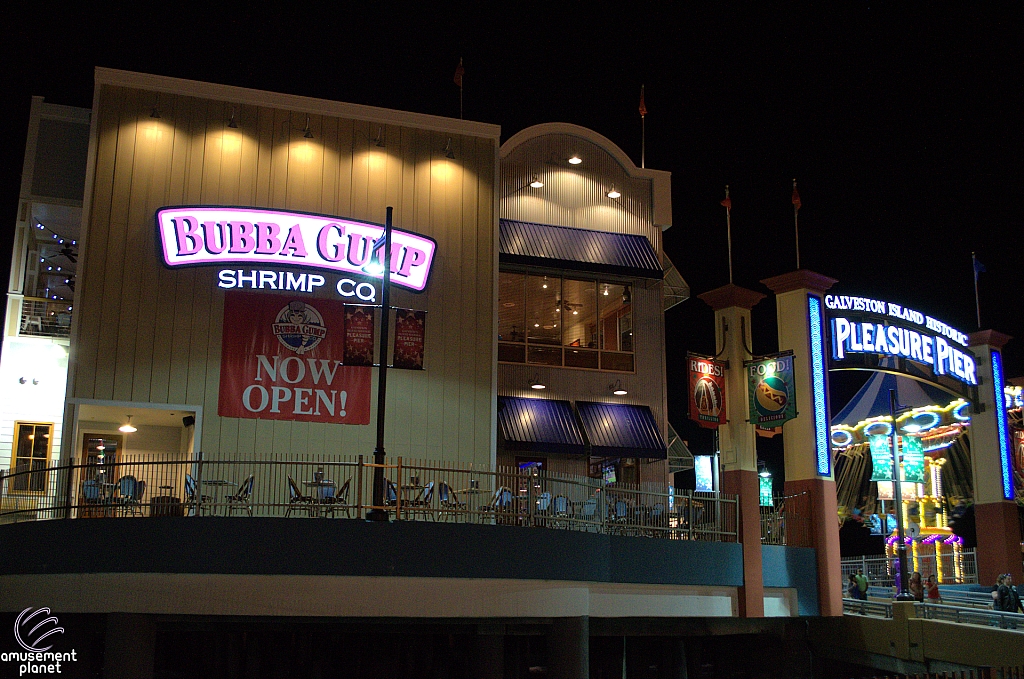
(155, 113)
(536, 183)
(448, 153)
(545, 284)
(379, 141)
(307, 133)
(613, 193)
(127, 427)
(575, 160)
(617, 388)
(232, 123)
(536, 383)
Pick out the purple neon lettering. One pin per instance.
(210, 231)
(293, 244)
(267, 241)
(187, 229)
(243, 238)
(332, 252)
(411, 257)
(358, 249)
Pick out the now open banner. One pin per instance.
(282, 358)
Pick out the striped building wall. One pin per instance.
(144, 333)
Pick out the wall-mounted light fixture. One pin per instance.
(306, 132)
(448, 153)
(232, 122)
(536, 183)
(535, 383)
(575, 160)
(127, 427)
(155, 113)
(617, 388)
(379, 141)
(613, 193)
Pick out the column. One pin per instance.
(129, 647)
(736, 442)
(801, 318)
(569, 648)
(995, 512)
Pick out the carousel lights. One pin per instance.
(870, 428)
(916, 427)
(841, 438)
(958, 411)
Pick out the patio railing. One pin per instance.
(955, 566)
(145, 486)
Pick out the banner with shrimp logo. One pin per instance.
(772, 388)
(707, 391)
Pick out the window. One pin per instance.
(31, 454)
(565, 322)
(100, 452)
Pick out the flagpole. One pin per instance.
(728, 227)
(977, 303)
(796, 223)
(643, 130)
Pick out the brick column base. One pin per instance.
(998, 541)
(744, 483)
(812, 520)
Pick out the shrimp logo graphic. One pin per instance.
(299, 327)
(30, 640)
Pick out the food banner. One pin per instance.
(707, 391)
(913, 459)
(772, 390)
(281, 359)
(410, 326)
(358, 335)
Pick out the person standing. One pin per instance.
(851, 587)
(916, 587)
(862, 585)
(1007, 599)
(931, 588)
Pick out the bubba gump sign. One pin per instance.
(214, 236)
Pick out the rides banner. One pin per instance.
(707, 391)
(282, 358)
(772, 389)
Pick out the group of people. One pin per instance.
(857, 586)
(1006, 597)
(919, 590)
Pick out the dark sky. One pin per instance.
(901, 121)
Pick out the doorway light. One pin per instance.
(575, 160)
(617, 388)
(537, 384)
(613, 193)
(127, 427)
(536, 183)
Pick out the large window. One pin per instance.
(575, 323)
(31, 453)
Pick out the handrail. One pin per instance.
(876, 609)
(584, 504)
(971, 616)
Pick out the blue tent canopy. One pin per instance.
(873, 398)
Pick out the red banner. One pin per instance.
(358, 335)
(707, 391)
(409, 329)
(281, 360)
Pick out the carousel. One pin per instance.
(933, 433)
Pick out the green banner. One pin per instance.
(772, 390)
(913, 460)
(881, 457)
(766, 491)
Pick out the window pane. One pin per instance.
(616, 317)
(511, 353)
(511, 307)
(545, 355)
(543, 303)
(581, 358)
(579, 313)
(617, 362)
(41, 443)
(26, 438)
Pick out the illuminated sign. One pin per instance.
(707, 391)
(259, 279)
(209, 235)
(883, 308)
(771, 389)
(705, 481)
(765, 491)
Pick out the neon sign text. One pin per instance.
(883, 308)
(207, 235)
(855, 337)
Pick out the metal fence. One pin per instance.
(971, 616)
(787, 521)
(955, 567)
(875, 609)
(320, 487)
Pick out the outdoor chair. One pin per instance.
(243, 497)
(196, 504)
(335, 498)
(588, 513)
(297, 499)
(500, 505)
(449, 501)
(619, 516)
(391, 494)
(128, 494)
(423, 500)
(543, 508)
(656, 519)
(561, 510)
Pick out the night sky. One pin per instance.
(901, 122)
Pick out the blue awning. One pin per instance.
(539, 426)
(562, 247)
(619, 430)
